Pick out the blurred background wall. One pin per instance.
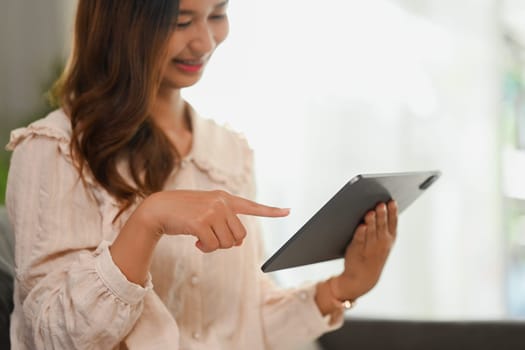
(328, 89)
(34, 42)
(34, 39)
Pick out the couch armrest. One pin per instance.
(6, 242)
(6, 277)
(372, 334)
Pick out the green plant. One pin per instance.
(4, 168)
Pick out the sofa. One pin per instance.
(6, 278)
(377, 334)
(368, 334)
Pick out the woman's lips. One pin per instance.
(189, 66)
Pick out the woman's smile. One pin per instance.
(189, 66)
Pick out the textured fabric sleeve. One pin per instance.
(291, 317)
(71, 294)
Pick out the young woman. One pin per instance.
(134, 220)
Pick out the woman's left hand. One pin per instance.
(367, 253)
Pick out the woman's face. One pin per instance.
(201, 26)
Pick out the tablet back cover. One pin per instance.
(326, 235)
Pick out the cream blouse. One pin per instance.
(69, 294)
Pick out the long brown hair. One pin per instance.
(107, 88)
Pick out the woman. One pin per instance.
(133, 215)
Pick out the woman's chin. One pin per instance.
(180, 82)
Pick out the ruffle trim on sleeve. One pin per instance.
(115, 280)
(57, 126)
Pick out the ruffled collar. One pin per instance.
(216, 150)
(224, 154)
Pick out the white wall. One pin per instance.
(326, 90)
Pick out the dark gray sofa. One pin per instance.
(6, 278)
(373, 334)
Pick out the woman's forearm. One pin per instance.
(133, 248)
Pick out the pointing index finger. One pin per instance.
(248, 207)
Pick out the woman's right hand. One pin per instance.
(210, 216)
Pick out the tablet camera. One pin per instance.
(428, 182)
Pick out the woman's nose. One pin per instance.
(204, 41)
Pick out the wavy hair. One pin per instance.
(108, 88)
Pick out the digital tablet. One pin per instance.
(327, 234)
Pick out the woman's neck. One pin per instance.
(170, 114)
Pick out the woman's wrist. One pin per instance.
(133, 248)
(329, 300)
(147, 216)
(343, 288)
(342, 295)
(324, 298)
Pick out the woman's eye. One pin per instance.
(218, 17)
(182, 25)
